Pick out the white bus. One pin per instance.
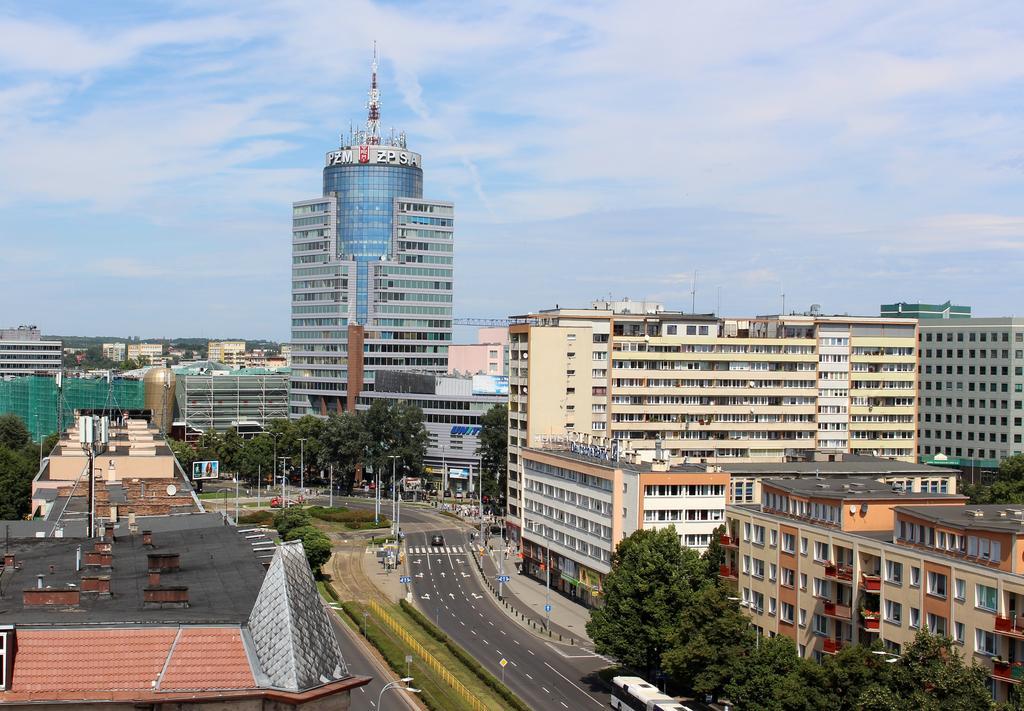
(632, 692)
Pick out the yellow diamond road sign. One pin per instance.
(503, 662)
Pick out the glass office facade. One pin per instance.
(365, 197)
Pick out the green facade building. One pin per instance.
(34, 398)
(902, 309)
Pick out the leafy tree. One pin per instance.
(209, 445)
(291, 518)
(931, 675)
(184, 453)
(49, 442)
(229, 453)
(311, 428)
(854, 675)
(13, 432)
(316, 544)
(775, 678)
(715, 554)
(649, 583)
(712, 637)
(1008, 488)
(131, 364)
(343, 444)
(17, 467)
(257, 456)
(493, 449)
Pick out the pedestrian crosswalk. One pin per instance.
(440, 550)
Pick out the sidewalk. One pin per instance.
(527, 597)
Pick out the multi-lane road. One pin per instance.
(447, 588)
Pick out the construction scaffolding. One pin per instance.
(34, 398)
(229, 400)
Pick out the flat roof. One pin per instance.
(852, 488)
(645, 467)
(218, 565)
(993, 517)
(847, 466)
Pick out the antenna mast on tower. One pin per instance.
(373, 117)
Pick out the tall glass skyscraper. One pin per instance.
(371, 271)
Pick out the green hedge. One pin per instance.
(261, 518)
(471, 663)
(394, 655)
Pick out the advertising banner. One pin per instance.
(206, 470)
(490, 385)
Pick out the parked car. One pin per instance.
(437, 540)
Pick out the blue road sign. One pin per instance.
(547, 608)
(405, 579)
(503, 578)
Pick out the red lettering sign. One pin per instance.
(364, 154)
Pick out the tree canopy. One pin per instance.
(1008, 487)
(493, 450)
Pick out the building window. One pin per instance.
(985, 642)
(821, 551)
(820, 625)
(803, 581)
(803, 546)
(936, 624)
(786, 613)
(893, 612)
(961, 589)
(986, 597)
(788, 543)
(773, 537)
(915, 617)
(958, 632)
(936, 584)
(893, 572)
(915, 576)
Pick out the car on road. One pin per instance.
(437, 540)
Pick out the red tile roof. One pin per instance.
(53, 663)
(208, 658)
(90, 660)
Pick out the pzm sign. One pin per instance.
(373, 155)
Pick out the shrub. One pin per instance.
(316, 544)
(259, 518)
(287, 519)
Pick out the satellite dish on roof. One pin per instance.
(172, 490)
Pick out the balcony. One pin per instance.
(838, 572)
(728, 541)
(841, 612)
(871, 620)
(724, 571)
(871, 583)
(1010, 626)
(1011, 672)
(831, 646)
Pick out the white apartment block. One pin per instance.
(710, 390)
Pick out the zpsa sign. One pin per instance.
(373, 155)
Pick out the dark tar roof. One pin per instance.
(850, 465)
(218, 565)
(852, 488)
(645, 467)
(990, 517)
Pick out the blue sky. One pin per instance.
(844, 153)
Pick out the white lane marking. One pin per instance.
(527, 675)
(574, 684)
(545, 690)
(502, 631)
(450, 559)
(531, 652)
(563, 704)
(514, 664)
(473, 631)
(487, 643)
(515, 640)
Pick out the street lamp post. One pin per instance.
(396, 511)
(284, 482)
(302, 465)
(395, 685)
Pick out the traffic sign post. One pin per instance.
(547, 614)
(503, 663)
(502, 579)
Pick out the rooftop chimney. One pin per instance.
(147, 538)
(164, 562)
(51, 597)
(162, 596)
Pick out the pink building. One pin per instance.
(486, 356)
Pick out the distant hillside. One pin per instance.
(196, 344)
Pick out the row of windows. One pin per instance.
(982, 337)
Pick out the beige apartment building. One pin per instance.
(227, 352)
(114, 351)
(835, 562)
(711, 390)
(147, 353)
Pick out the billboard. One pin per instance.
(458, 473)
(206, 470)
(490, 385)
